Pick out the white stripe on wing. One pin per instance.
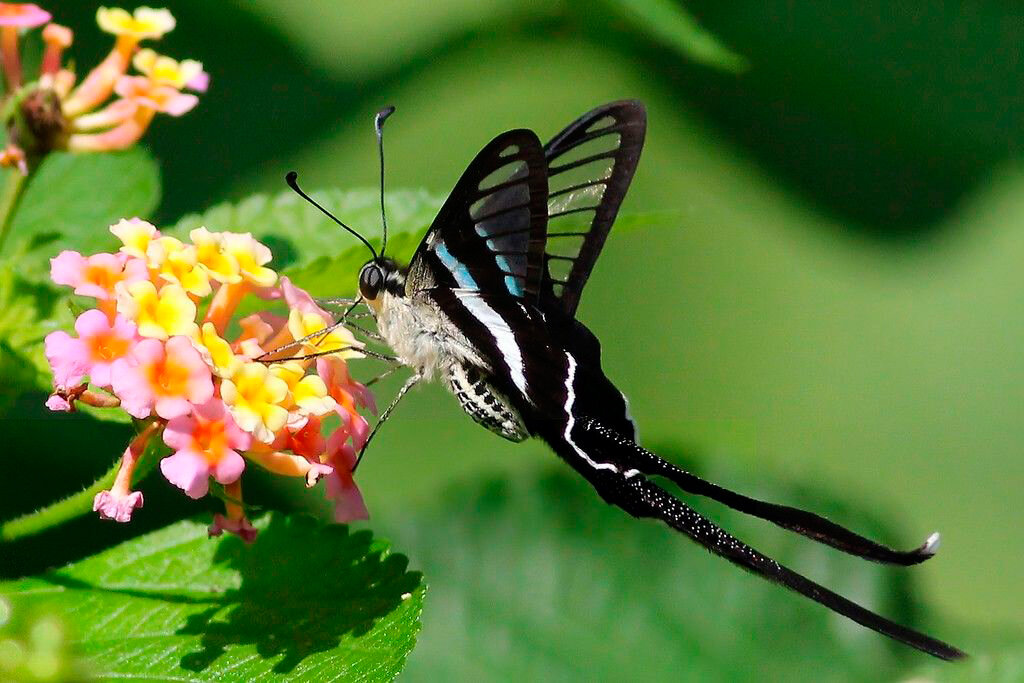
(570, 399)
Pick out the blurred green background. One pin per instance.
(828, 299)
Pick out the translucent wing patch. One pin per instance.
(590, 166)
(489, 235)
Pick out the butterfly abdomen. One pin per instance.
(483, 403)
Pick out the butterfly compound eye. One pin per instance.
(370, 281)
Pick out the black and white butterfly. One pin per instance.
(487, 306)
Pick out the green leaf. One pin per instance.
(28, 312)
(668, 22)
(305, 601)
(298, 234)
(999, 665)
(538, 579)
(34, 648)
(69, 203)
(337, 276)
(72, 199)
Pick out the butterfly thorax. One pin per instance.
(426, 340)
(422, 337)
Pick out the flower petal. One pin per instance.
(188, 471)
(117, 508)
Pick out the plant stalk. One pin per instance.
(12, 192)
(75, 505)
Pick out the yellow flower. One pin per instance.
(251, 257)
(135, 234)
(177, 263)
(165, 70)
(307, 393)
(159, 315)
(210, 252)
(145, 23)
(302, 325)
(216, 351)
(254, 397)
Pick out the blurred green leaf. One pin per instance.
(73, 198)
(34, 648)
(299, 234)
(998, 665)
(538, 579)
(337, 276)
(669, 22)
(305, 601)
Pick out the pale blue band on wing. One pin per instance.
(458, 270)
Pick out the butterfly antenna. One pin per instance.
(378, 124)
(292, 178)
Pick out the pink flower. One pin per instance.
(300, 300)
(304, 438)
(240, 527)
(165, 378)
(257, 329)
(66, 359)
(97, 275)
(235, 521)
(341, 488)
(346, 391)
(22, 15)
(200, 82)
(117, 508)
(57, 38)
(120, 501)
(99, 344)
(12, 17)
(58, 404)
(155, 96)
(206, 443)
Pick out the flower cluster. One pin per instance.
(157, 345)
(109, 109)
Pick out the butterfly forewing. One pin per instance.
(489, 235)
(590, 166)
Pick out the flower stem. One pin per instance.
(75, 505)
(11, 57)
(12, 190)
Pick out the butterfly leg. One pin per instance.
(369, 334)
(338, 302)
(386, 373)
(409, 384)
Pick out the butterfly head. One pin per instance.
(378, 277)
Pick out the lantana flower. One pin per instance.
(167, 71)
(136, 235)
(156, 345)
(14, 16)
(100, 343)
(97, 275)
(160, 313)
(178, 263)
(110, 108)
(256, 398)
(167, 378)
(206, 444)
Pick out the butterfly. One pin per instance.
(487, 306)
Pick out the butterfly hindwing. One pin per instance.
(489, 235)
(590, 166)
